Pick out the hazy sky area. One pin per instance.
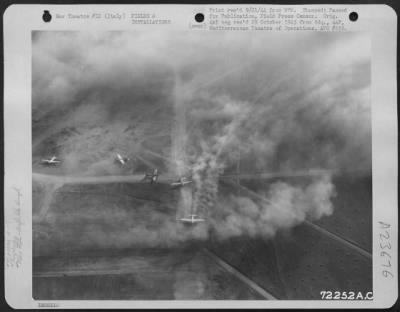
(286, 101)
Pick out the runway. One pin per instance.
(96, 179)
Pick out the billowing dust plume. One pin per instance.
(286, 102)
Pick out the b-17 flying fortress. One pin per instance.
(52, 161)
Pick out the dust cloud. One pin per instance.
(283, 102)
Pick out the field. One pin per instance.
(87, 240)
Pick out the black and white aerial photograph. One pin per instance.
(194, 165)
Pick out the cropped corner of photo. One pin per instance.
(179, 165)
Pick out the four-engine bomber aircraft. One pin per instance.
(53, 161)
(121, 160)
(192, 218)
(181, 182)
(151, 177)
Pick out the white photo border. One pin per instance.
(380, 21)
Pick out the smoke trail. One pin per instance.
(215, 145)
(205, 179)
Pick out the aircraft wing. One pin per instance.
(194, 220)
